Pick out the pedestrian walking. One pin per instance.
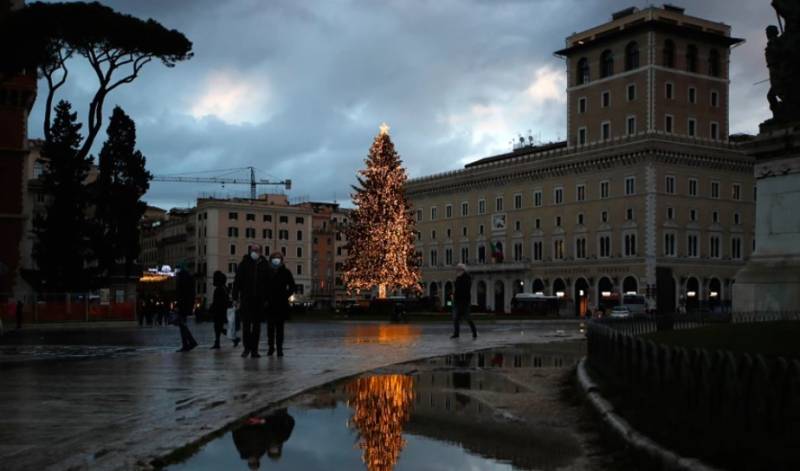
(20, 312)
(249, 292)
(461, 302)
(219, 307)
(185, 293)
(281, 288)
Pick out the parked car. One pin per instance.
(620, 312)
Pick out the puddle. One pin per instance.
(435, 418)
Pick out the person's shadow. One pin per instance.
(263, 435)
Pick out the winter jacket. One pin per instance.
(463, 287)
(185, 293)
(220, 303)
(250, 285)
(281, 287)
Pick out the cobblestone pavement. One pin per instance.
(131, 399)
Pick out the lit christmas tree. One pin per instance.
(380, 236)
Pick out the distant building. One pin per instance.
(647, 182)
(328, 252)
(225, 228)
(17, 95)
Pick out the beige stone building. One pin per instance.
(328, 252)
(225, 228)
(648, 181)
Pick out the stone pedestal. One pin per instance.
(771, 279)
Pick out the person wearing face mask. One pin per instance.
(281, 287)
(249, 292)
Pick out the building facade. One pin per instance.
(226, 227)
(328, 252)
(648, 179)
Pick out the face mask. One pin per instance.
(276, 262)
(254, 255)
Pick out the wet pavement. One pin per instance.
(474, 411)
(131, 400)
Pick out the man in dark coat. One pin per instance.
(462, 300)
(249, 291)
(281, 287)
(185, 293)
(261, 435)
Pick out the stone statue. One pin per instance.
(783, 60)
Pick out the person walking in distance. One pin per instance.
(281, 287)
(185, 293)
(219, 307)
(462, 299)
(249, 291)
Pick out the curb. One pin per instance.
(668, 458)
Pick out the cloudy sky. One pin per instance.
(298, 88)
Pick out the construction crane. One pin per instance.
(252, 181)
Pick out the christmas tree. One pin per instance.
(380, 235)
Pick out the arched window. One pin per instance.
(632, 56)
(713, 63)
(606, 64)
(691, 58)
(669, 54)
(582, 75)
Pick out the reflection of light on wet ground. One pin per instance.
(402, 334)
(381, 407)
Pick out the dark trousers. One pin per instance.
(251, 327)
(275, 334)
(462, 313)
(219, 327)
(187, 341)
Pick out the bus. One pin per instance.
(535, 304)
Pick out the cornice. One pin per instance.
(572, 161)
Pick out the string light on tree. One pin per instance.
(380, 235)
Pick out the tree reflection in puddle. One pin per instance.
(381, 407)
(433, 419)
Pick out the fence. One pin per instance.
(739, 407)
(69, 307)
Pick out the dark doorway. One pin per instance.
(481, 292)
(581, 297)
(538, 286)
(607, 298)
(448, 294)
(499, 297)
(629, 285)
(692, 295)
(665, 287)
(714, 294)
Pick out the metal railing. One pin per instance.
(731, 401)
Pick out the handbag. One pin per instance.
(231, 315)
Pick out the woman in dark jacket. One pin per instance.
(219, 306)
(280, 287)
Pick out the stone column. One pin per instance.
(771, 279)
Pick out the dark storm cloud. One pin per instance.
(298, 88)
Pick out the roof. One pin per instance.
(517, 152)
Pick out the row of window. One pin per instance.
(250, 233)
(234, 216)
(581, 194)
(631, 129)
(630, 94)
(607, 62)
(671, 215)
(628, 248)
